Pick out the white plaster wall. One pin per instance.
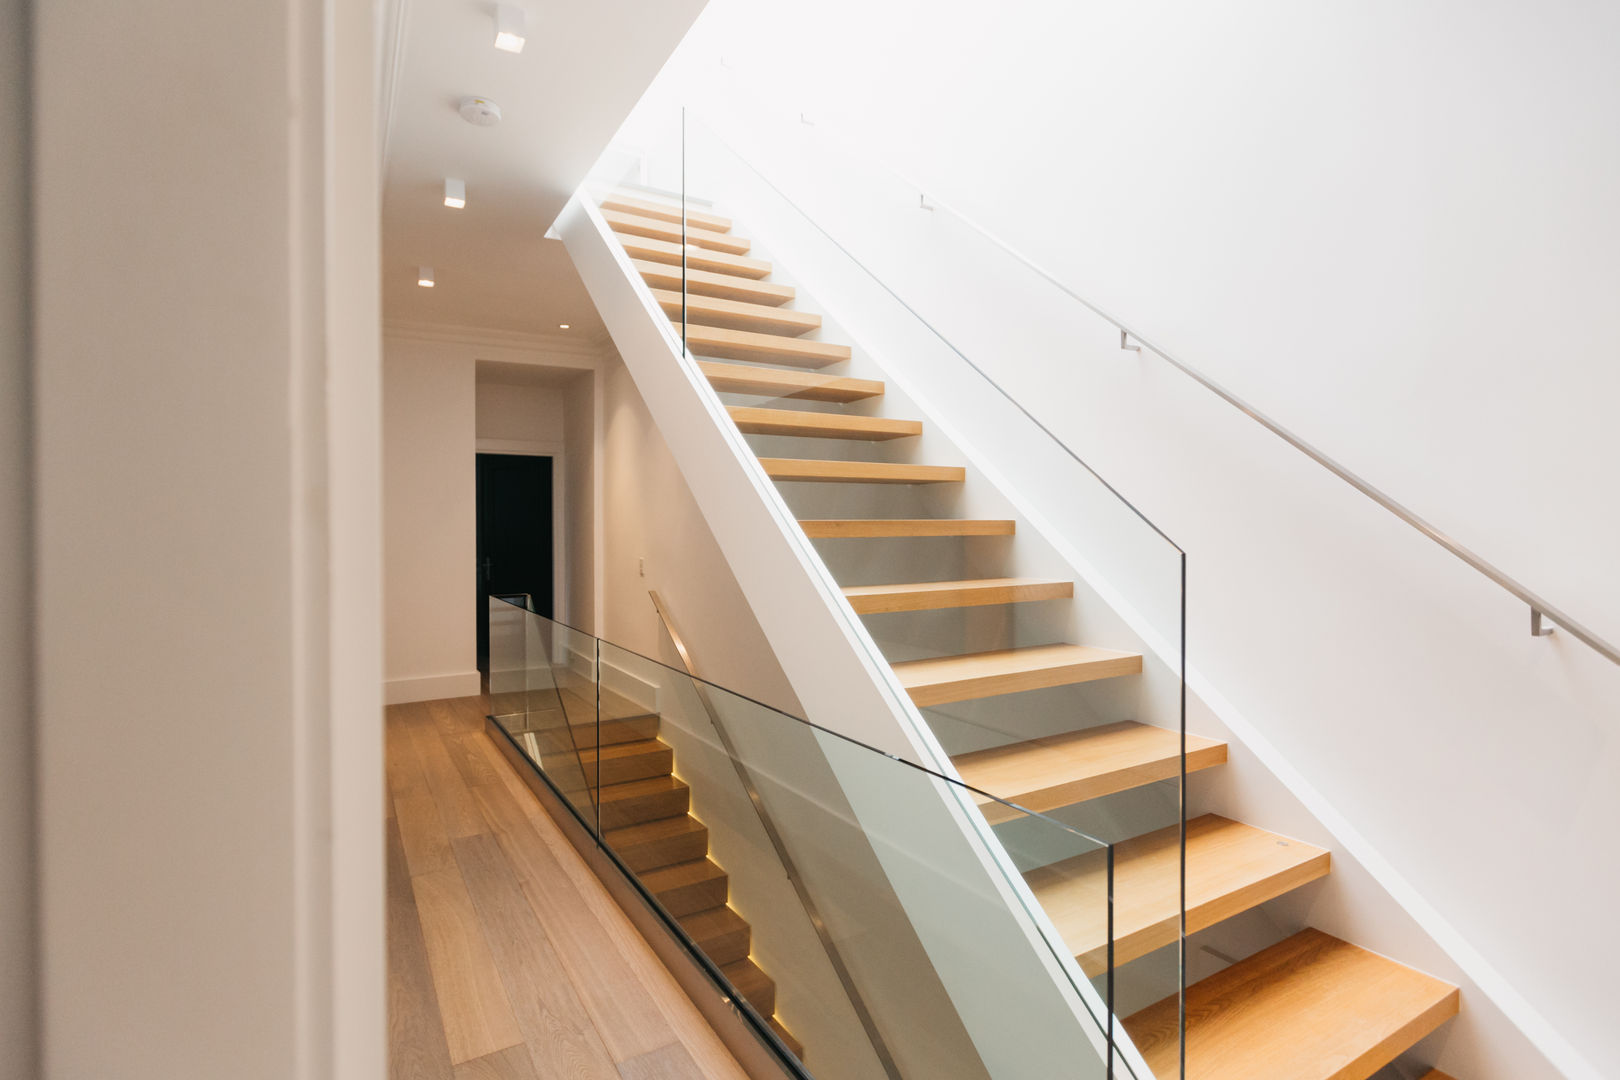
(17, 878)
(521, 413)
(429, 417)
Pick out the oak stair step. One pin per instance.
(688, 887)
(870, 528)
(648, 206)
(820, 425)
(623, 762)
(768, 348)
(782, 1033)
(735, 314)
(1055, 771)
(652, 228)
(1231, 867)
(1308, 1008)
(707, 283)
(640, 801)
(659, 843)
(721, 933)
(945, 679)
(861, 472)
(622, 720)
(1434, 1074)
(694, 258)
(755, 987)
(776, 382)
(936, 595)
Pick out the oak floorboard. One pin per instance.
(513, 1063)
(559, 1033)
(422, 831)
(477, 1016)
(416, 1045)
(456, 804)
(668, 1063)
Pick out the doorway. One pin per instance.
(514, 536)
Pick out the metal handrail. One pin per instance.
(840, 968)
(1540, 608)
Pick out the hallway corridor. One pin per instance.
(508, 960)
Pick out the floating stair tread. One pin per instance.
(663, 842)
(636, 801)
(769, 348)
(721, 933)
(756, 987)
(782, 1033)
(647, 206)
(653, 831)
(694, 258)
(776, 382)
(1308, 1008)
(861, 472)
(933, 595)
(1005, 671)
(736, 314)
(820, 425)
(707, 283)
(1061, 770)
(1435, 1074)
(655, 229)
(646, 753)
(869, 528)
(641, 789)
(687, 887)
(1231, 867)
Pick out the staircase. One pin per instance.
(1310, 1007)
(628, 773)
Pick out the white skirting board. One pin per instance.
(431, 687)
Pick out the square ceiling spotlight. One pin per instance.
(455, 193)
(510, 28)
(424, 276)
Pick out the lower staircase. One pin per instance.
(628, 774)
(1310, 1007)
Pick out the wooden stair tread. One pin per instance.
(754, 986)
(1308, 1008)
(1231, 867)
(1006, 671)
(736, 314)
(687, 887)
(769, 348)
(820, 425)
(618, 763)
(782, 1033)
(649, 206)
(635, 802)
(647, 846)
(695, 258)
(861, 472)
(1435, 1074)
(720, 932)
(638, 789)
(708, 283)
(656, 229)
(868, 528)
(934, 595)
(1061, 770)
(663, 829)
(776, 382)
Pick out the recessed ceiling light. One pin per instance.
(562, 326)
(424, 276)
(455, 193)
(509, 28)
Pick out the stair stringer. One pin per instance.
(1022, 1000)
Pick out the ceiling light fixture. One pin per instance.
(510, 27)
(562, 326)
(424, 276)
(455, 193)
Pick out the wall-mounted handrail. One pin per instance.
(1540, 608)
(834, 956)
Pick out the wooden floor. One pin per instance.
(506, 957)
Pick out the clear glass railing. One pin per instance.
(1032, 618)
(806, 872)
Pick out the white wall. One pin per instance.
(1386, 226)
(209, 729)
(429, 523)
(17, 880)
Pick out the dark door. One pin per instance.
(514, 535)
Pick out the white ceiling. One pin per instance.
(584, 67)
